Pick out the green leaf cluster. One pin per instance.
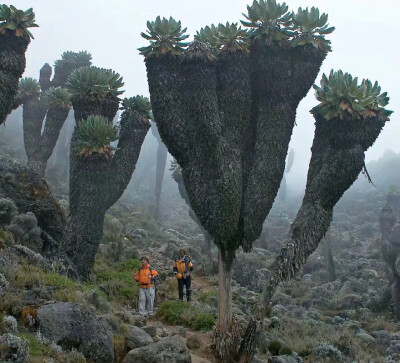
(94, 83)
(93, 136)
(17, 21)
(166, 37)
(28, 88)
(269, 21)
(176, 170)
(137, 105)
(57, 97)
(227, 37)
(311, 28)
(341, 96)
(73, 60)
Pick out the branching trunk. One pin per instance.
(12, 65)
(39, 146)
(281, 78)
(228, 123)
(337, 160)
(96, 183)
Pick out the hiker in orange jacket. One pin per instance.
(146, 276)
(183, 267)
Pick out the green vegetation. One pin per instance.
(16, 21)
(342, 97)
(57, 98)
(269, 21)
(165, 36)
(73, 60)
(93, 136)
(94, 83)
(118, 283)
(28, 88)
(311, 28)
(137, 104)
(36, 348)
(181, 313)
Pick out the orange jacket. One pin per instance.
(146, 276)
(183, 268)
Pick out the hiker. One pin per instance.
(146, 276)
(183, 266)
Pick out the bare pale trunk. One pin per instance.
(224, 323)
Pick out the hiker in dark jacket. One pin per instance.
(183, 267)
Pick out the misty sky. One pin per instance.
(365, 43)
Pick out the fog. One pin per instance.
(365, 43)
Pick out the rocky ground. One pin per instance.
(337, 309)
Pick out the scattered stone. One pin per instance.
(193, 341)
(97, 301)
(138, 338)
(73, 325)
(180, 330)
(169, 349)
(151, 330)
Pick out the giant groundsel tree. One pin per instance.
(14, 40)
(46, 105)
(225, 107)
(98, 174)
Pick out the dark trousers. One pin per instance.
(185, 282)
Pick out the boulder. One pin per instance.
(193, 342)
(168, 349)
(31, 193)
(138, 338)
(180, 330)
(151, 330)
(73, 325)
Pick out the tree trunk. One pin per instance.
(330, 265)
(12, 65)
(226, 334)
(162, 154)
(36, 164)
(224, 323)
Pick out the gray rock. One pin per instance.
(75, 326)
(111, 323)
(169, 350)
(180, 330)
(14, 349)
(151, 330)
(138, 338)
(285, 359)
(97, 301)
(193, 341)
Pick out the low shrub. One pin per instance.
(182, 313)
(6, 239)
(36, 348)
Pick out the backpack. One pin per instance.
(150, 269)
